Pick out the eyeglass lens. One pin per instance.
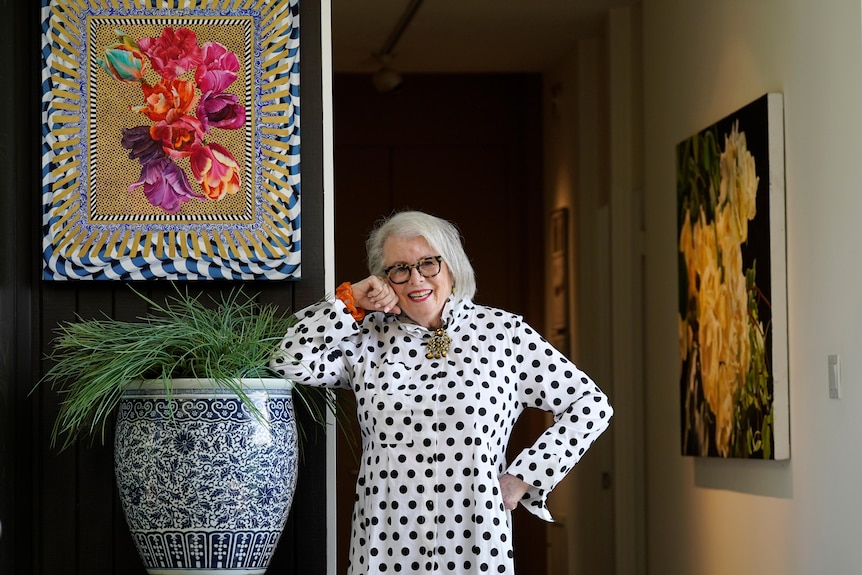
(427, 267)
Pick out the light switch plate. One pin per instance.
(834, 377)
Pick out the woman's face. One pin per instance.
(421, 298)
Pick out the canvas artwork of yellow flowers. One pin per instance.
(725, 311)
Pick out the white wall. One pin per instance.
(575, 131)
(703, 60)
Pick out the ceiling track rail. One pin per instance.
(399, 28)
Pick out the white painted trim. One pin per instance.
(778, 259)
(328, 262)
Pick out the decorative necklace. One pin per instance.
(438, 345)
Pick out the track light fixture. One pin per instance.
(386, 79)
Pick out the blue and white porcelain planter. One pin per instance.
(205, 485)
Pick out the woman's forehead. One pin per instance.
(406, 248)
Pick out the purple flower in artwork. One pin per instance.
(220, 110)
(165, 184)
(142, 145)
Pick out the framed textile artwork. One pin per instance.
(170, 139)
(732, 286)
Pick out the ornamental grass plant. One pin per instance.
(219, 343)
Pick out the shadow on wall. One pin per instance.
(756, 477)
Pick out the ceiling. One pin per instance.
(455, 36)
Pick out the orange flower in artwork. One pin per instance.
(168, 100)
(215, 170)
(179, 138)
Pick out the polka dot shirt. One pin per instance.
(434, 431)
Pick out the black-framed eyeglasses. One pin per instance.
(427, 268)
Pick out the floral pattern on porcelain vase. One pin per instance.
(205, 483)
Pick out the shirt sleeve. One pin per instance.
(321, 347)
(548, 380)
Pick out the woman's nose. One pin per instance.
(415, 269)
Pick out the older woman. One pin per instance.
(439, 383)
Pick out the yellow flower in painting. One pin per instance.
(738, 189)
(720, 338)
(714, 257)
(710, 358)
(686, 247)
(705, 262)
(685, 239)
(723, 410)
(685, 337)
(736, 319)
(722, 333)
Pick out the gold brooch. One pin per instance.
(438, 345)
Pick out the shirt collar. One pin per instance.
(455, 312)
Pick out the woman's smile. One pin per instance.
(419, 295)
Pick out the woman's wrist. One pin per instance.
(344, 292)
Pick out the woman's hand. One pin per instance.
(513, 490)
(375, 294)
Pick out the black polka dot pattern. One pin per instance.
(435, 431)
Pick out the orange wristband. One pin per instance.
(344, 292)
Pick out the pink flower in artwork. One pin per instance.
(218, 69)
(173, 53)
(216, 170)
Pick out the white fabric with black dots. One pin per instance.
(434, 431)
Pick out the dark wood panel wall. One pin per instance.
(59, 511)
(18, 148)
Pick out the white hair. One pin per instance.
(440, 234)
